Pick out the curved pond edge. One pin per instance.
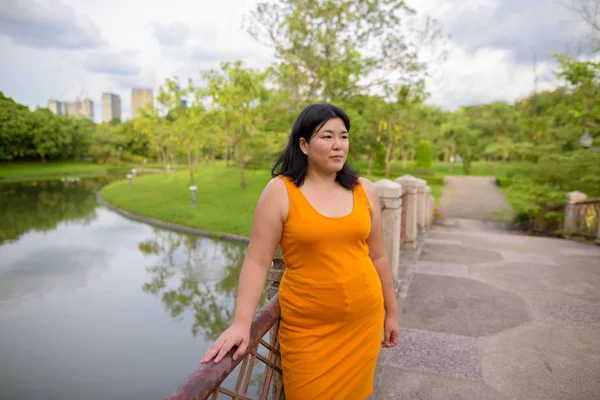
(169, 225)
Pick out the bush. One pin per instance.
(127, 156)
(423, 154)
(537, 192)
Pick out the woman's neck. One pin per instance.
(318, 178)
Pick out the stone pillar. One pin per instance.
(390, 199)
(409, 184)
(430, 210)
(421, 204)
(426, 207)
(570, 222)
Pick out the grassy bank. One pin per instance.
(222, 206)
(22, 169)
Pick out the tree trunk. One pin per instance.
(495, 165)
(165, 160)
(446, 157)
(174, 161)
(43, 156)
(404, 158)
(370, 162)
(452, 157)
(388, 156)
(191, 166)
(196, 159)
(412, 155)
(244, 160)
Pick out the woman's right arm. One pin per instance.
(267, 228)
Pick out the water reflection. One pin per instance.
(41, 206)
(91, 302)
(195, 275)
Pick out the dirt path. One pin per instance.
(474, 197)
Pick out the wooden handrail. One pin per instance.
(206, 380)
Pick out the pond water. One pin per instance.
(96, 306)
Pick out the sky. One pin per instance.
(68, 49)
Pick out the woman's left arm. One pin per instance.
(381, 261)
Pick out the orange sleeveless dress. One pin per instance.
(331, 300)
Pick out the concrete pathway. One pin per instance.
(496, 316)
(476, 197)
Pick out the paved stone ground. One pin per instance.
(476, 197)
(495, 315)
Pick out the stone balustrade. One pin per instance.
(582, 216)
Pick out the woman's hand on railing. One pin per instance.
(235, 335)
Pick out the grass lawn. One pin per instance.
(221, 205)
(58, 167)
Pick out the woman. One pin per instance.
(338, 278)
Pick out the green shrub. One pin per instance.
(537, 192)
(127, 156)
(423, 154)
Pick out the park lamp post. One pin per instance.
(586, 140)
(193, 188)
(129, 177)
(133, 172)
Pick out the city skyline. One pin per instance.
(111, 107)
(140, 98)
(77, 108)
(110, 103)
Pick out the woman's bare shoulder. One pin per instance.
(276, 186)
(275, 197)
(370, 191)
(367, 185)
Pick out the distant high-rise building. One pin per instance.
(80, 108)
(111, 107)
(57, 107)
(140, 98)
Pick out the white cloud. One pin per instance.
(120, 63)
(485, 75)
(78, 49)
(47, 25)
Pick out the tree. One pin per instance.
(423, 154)
(333, 49)
(15, 138)
(240, 94)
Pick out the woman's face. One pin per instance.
(328, 148)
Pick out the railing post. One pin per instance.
(426, 207)
(430, 210)
(421, 204)
(275, 274)
(274, 277)
(570, 223)
(598, 233)
(410, 184)
(390, 199)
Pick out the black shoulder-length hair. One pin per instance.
(293, 163)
